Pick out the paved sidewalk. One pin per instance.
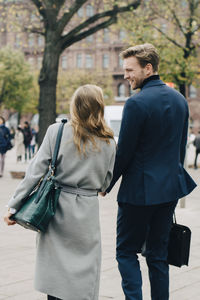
(17, 248)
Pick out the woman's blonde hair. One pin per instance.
(87, 117)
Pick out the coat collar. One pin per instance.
(153, 83)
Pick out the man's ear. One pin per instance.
(149, 69)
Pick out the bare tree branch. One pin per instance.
(196, 29)
(67, 16)
(168, 37)
(196, 4)
(40, 7)
(54, 5)
(34, 30)
(110, 13)
(82, 35)
(177, 20)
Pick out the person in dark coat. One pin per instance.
(197, 145)
(27, 140)
(5, 143)
(150, 156)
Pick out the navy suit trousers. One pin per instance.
(136, 226)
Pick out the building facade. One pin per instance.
(99, 51)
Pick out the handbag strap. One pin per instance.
(174, 219)
(57, 145)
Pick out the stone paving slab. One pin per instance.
(17, 248)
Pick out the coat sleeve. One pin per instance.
(109, 174)
(184, 138)
(37, 168)
(134, 116)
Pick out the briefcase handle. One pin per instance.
(174, 218)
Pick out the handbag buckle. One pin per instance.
(51, 173)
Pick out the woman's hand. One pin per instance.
(102, 194)
(7, 219)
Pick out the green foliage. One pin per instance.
(69, 81)
(173, 28)
(32, 104)
(15, 79)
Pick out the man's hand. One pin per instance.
(7, 219)
(102, 194)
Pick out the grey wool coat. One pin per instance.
(69, 252)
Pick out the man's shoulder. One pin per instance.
(136, 103)
(136, 98)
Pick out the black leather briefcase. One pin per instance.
(179, 245)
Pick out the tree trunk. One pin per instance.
(48, 83)
(182, 85)
(182, 89)
(18, 117)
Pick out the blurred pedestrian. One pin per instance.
(5, 143)
(12, 135)
(19, 143)
(27, 140)
(196, 143)
(69, 252)
(33, 142)
(150, 157)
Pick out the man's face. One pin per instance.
(133, 72)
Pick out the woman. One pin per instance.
(69, 252)
(19, 143)
(5, 143)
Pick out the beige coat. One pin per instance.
(69, 253)
(19, 143)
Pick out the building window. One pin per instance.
(192, 91)
(164, 27)
(89, 38)
(33, 17)
(31, 40)
(184, 3)
(105, 61)
(64, 62)
(89, 10)
(40, 40)
(121, 90)
(120, 62)
(80, 12)
(39, 62)
(132, 92)
(19, 17)
(17, 40)
(31, 61)
(88, 61)
(106, 35)
(122, 35)
(79, 60)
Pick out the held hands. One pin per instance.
(7, 219)
(102, 194)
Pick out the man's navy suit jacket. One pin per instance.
(151, 147)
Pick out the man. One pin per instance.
(27, 140)
(5, 143)
(150, 156)
(197, 145)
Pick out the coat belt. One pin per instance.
(79, 191)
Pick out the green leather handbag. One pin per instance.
(40, 205)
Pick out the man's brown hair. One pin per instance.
(146, 54)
